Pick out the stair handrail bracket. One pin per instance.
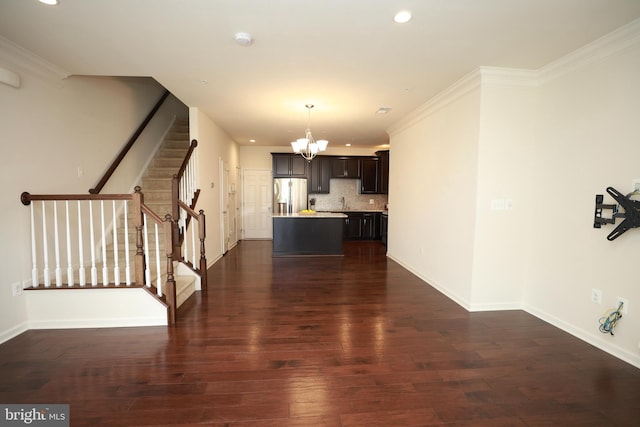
(101, 241)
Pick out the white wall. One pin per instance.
(213, 144)
(548, 141)
(587, 138)
(93, 308)
(50, 127)
(505, 142)
(432, 190)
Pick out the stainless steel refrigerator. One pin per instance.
(289, 195)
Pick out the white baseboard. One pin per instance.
(98, 323)
(610, 348)
(13, 332)
(455, 298)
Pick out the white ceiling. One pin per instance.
(347, 57)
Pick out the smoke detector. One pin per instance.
(244, 39)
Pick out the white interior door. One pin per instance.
(224, 205)
(257, 195)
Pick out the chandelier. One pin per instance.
(308, 147)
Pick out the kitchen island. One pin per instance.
(319, 233)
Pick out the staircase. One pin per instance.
(156, 187)
(93, 241)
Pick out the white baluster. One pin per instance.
(158, 272)
(116, 267)
(194, 226)
(34, 259)
(105, 269)
(189, 180)
(127, 268)
(82, 279)
(195, 170)
(56, 245)
(69, 263)
(94, 270)
(185, 235)
(187, 183)
(147, 272)
(45, 244)
(185, 186)
(183, 189)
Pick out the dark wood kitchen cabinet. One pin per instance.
(371, 226)
(384, 171)
(319, 175)
(345, 167)
(374, 174)
(353, 226)
(289, 166)
(363, 226)
(370, 175)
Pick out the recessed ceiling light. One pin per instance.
(252, 140)
(383, 110)
(49, 2)
(402, 17)
(243, 39)
(348, 145)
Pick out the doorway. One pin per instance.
(257, 193)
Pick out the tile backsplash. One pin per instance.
(345, 194)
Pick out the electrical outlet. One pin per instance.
(371, 201)
(636, 184)
(625, 304)
(16, 288)
(596, 296)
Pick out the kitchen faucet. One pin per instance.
(345, 206)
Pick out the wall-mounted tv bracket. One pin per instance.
(631, 213)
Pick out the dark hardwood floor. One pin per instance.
(323, 341)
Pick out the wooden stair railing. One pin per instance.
(184, 196)
(66, 232)
(116, 162)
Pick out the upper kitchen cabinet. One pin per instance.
(375, 174)
(289, 166)
(384, 170)
(345, 167)
(370, 175)
(319, 175)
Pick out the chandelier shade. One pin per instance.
(308, 147)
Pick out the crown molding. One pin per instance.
(509, 77)
(23, 60)
(463, 86)
(606, 46)
(602, 48)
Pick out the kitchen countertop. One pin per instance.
(313, 215)
(353, 210)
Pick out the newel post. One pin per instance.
(171, 282)
(203, 259)
(138, 222)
